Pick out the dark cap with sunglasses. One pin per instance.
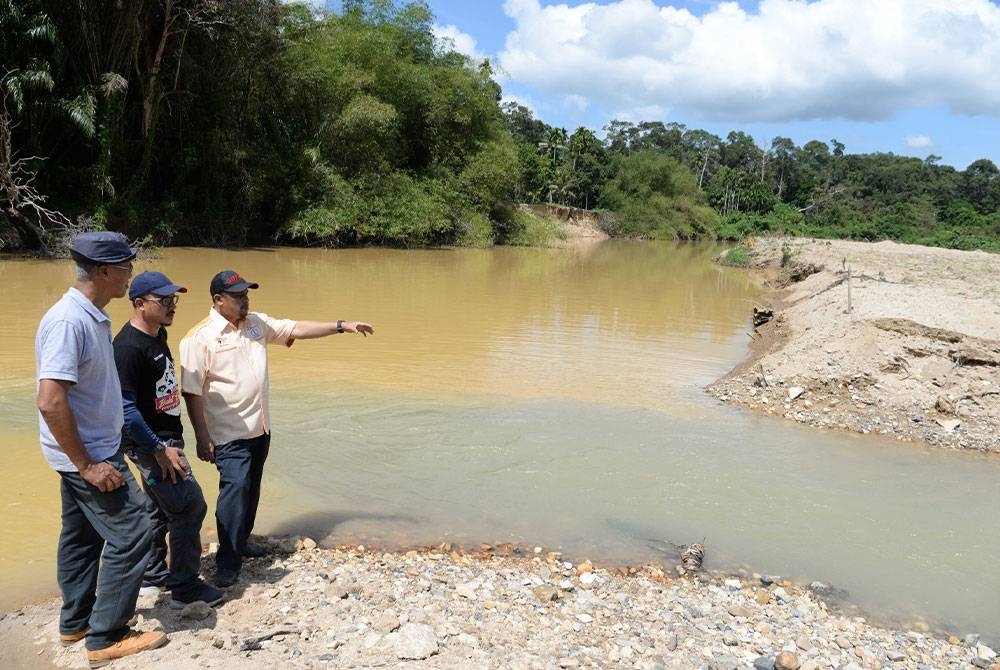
(155, 283)
(102, 247)
(230, 281)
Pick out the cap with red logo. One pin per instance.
(230, 281)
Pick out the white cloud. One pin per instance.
(463, 43)
(521, 100)
(791, 59)
(576, 103)
(918, 141)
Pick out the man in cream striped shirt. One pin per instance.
(224, 379)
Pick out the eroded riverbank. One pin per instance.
(907, 348)
(308, 607)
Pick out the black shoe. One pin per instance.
(224, 578)
(255, 551)
(209, 595)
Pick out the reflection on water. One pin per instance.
(545, 396)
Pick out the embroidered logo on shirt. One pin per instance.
(253, 331)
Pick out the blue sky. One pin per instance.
(911, 77)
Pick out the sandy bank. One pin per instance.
(350, 607)
(916, 357)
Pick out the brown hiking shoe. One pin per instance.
(69, 639)
(132, 643)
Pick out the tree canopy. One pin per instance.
(254, 121)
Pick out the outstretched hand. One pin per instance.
(359, 327)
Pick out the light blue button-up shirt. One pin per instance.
(73, 344)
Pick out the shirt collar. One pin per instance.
(90, 308)
(220, 322)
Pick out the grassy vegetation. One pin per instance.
(738, 257)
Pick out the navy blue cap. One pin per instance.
(102, 247)
(230, 281)
(156, 283)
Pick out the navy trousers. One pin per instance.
(102, 555)
(241, 467)
(178, 507)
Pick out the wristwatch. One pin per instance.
(340, 325)
(160, 446)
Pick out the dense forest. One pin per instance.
(236, 122)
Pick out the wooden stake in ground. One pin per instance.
(849, 307)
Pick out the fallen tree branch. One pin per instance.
(253, 643)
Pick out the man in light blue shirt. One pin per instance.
(105, 528)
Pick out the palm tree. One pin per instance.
(556, 141)
(563, 185)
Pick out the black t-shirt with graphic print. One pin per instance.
(146, 368)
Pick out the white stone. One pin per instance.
(949, 425)
(414, 641)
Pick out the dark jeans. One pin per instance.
(102, 555)
(241, 466)
(178, 508)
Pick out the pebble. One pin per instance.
(786, 660)
(196, 611)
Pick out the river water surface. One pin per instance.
(549, 397)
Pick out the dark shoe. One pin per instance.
(255, 551)
(209, 595)
(224, 578)
(132, 643)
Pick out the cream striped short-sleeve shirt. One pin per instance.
(227, 366)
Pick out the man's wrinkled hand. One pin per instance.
(102, 475)
(206, 451)
(172, 465)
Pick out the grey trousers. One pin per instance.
(177, 508)
(102, 555)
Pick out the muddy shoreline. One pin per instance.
(879, 338)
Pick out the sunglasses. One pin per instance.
(166, 301)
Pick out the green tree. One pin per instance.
(652, 195)
(981, 185)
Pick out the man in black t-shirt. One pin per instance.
(153, 439)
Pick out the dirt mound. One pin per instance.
(894, 339)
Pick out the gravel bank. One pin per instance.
(354, 607)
